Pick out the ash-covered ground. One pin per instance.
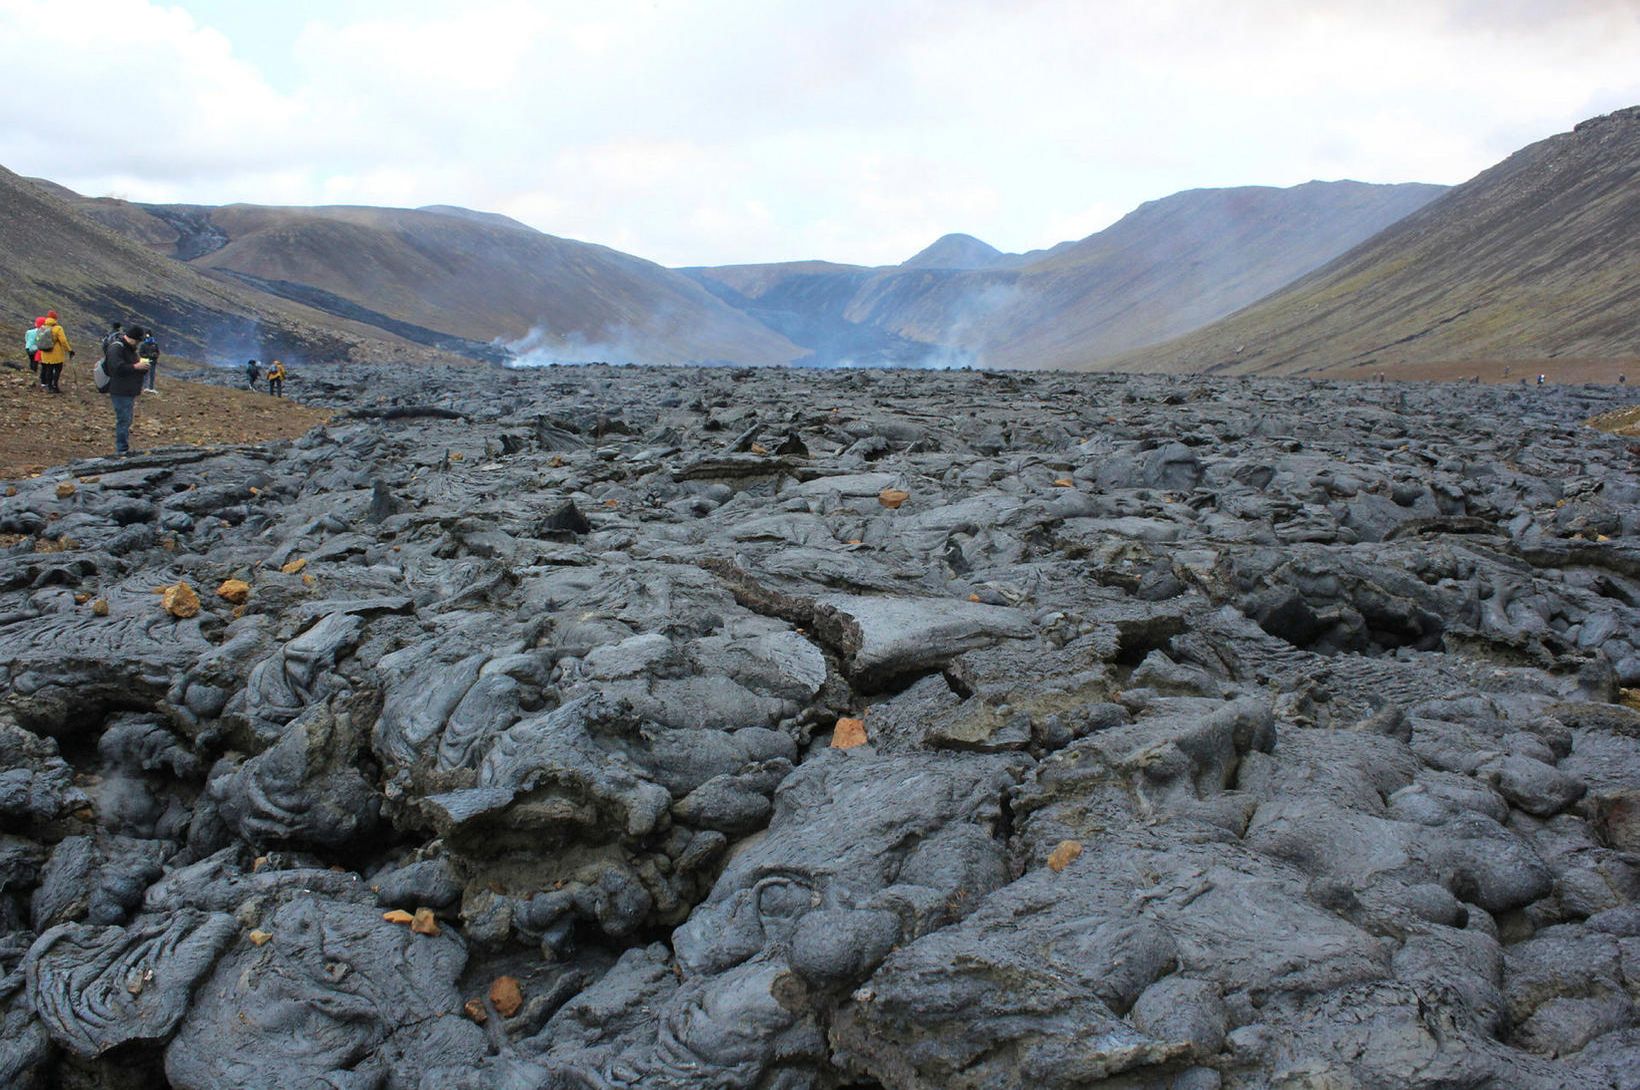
(777, 730)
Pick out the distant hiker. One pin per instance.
(52, 343)
(113, 331)
(148, 351)
(253, 371)
(1540, 379)
(276, 379)
(125, 377)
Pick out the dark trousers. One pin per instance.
(124, 406)
(153, 369)
(276, 387)
(50, 375)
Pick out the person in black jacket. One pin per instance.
(125, 375)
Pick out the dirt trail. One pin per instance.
(39, 430)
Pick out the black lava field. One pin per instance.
(767, 730)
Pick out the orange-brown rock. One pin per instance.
(422, 923)
(848, 733)
(506, 996)
(236, 591)
(1064, 855)
(180, 600)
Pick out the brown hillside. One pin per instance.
(52, 256)
(452, 272)
(1534, 258)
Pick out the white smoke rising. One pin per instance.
(540, 347)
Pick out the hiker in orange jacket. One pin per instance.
(58, 352)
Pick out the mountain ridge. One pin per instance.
(1168, 266)
(1532, 258)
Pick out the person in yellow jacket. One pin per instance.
(58, 352)
(276, 379)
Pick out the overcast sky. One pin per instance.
(722, 132)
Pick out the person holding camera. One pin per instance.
(125, 377)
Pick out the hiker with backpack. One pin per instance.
(276, 379)
(51, 341)
(31, 338)
(253, 371)
(120, 376)
(148, 351)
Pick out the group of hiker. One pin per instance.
(48, 349)
(127, 368)
(276, 376)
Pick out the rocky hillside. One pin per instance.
(52, 256)
(1170, 266)
(672, 729)
(1532, 259)
(450, 275)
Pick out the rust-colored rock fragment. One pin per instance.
(422, 923)
(1064, 482)
(291, 567)
(66, 489)
(259, 937)
(474, 1009)
(399, 916)
(891, 498)
(236, 591)
(180, 600)
(506, 996)
(848, 733)
(1064, 855)
(99, 607)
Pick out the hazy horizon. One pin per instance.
(745, 133)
